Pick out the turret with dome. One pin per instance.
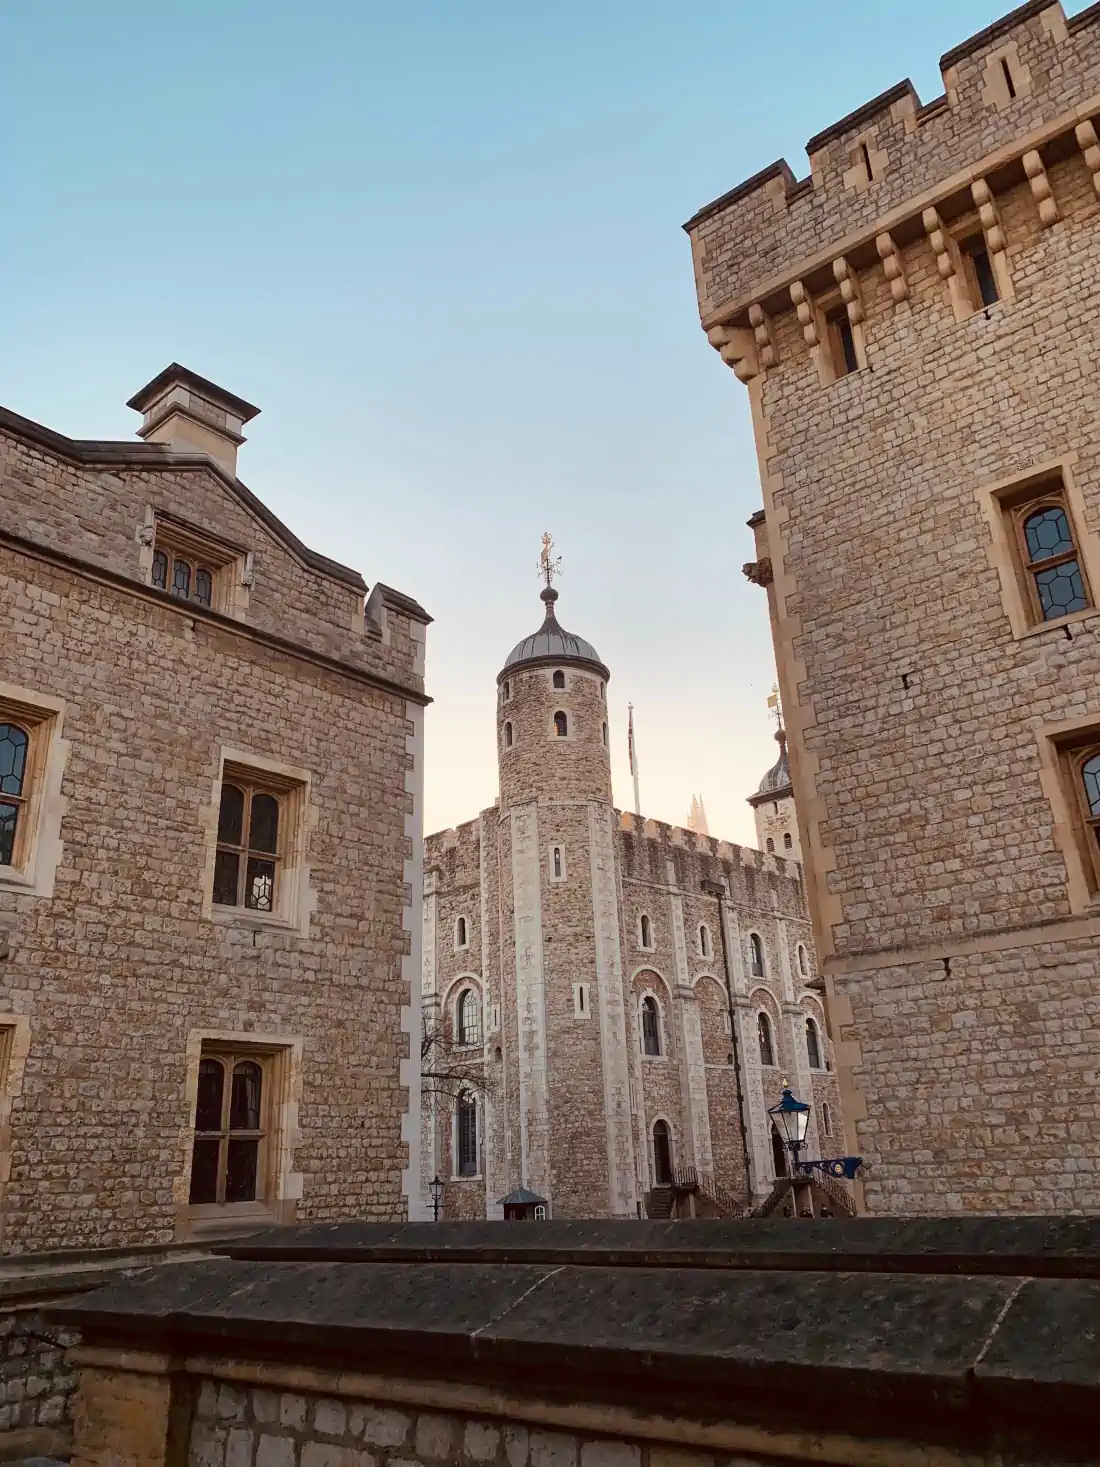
(773, 802)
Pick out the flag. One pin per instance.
(630, 737)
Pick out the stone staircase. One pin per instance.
(658, 1202)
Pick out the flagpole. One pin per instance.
(633, 760)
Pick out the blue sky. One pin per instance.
(438, 243)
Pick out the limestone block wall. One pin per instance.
(242, 1426)
(37, 1381)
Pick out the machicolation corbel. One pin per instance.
(1040, 188)
(1090, 147)
(804, 306)
(761, 330)
(737, 348)
(893, 267)
(989, 217)
(937, 238)
(849, 290)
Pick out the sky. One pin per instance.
(439, 243)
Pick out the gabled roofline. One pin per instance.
(109, 453)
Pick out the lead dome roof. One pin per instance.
(552, 643)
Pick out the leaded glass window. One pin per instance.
(227, 1155)
(1052, 562)
(160, 569)
(248, 854)
(14, 747)
(1089, 773)
(184, 578)
(466, 1134)
(204, 586)
(651, 1026)
(469, 1017)
(181, 578)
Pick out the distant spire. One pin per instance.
(697, 818)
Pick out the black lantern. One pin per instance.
(791, 1119)
(435, 1187)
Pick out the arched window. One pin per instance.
(229, 1131)
(826, 1119)
(556, 868)
(461, 934)
(813, 1044)
(507, 735)
(1052, 563)
(788, 842)
(559, 679)
(769, 846)
(14, 746)
(603, 690)
(756, 955)
(651, 1026)
(646, 931)
(803, 961)
(466, 1134)
(561, 725)
(507, 690)
(468, 1020)
(704, 940)
(779, 1154)
(247, 861)
(767, 1044)
(662, 1155)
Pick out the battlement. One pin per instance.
(697, 857)
(1017, 86)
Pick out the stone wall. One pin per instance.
(37, 1381)
(238, 1426)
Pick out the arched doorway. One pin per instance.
(662, 1155)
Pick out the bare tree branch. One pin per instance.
(447, 1068)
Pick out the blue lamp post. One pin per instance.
(791, 1118)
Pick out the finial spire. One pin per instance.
(549, 563)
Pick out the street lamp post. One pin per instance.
(791, 1118)
(435, 1187)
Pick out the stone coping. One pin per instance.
(1038, 1247)
(933, 1356)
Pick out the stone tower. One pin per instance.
(773, 808)
(571, 1114)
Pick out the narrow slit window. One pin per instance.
(556, 866)
(1009, 83)
(507, 735)
(982, 276)
(646, 931)
(826, 1119)
(461, 937)
(845, 360)
(867, 162)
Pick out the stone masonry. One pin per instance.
(917, 324)
(120, 974)
(559, 920)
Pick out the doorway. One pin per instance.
(662, 1155)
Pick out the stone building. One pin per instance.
(210, 775)
(610, 1003)
(917, 323)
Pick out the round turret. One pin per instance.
(552, 717)
(774, 808)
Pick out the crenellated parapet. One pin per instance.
(650, 846)
(1018, 95)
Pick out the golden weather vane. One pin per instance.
(549, 563)
(775, 705)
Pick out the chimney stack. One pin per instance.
(191, 415)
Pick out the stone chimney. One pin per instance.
(191, 415)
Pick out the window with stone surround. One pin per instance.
(803, 961)
(842, 342)
(1080, 760)
(769, 846)
(466, 1135)
(813, 1044)
(462, 933)
(508, 735)
(766, 1038)
(194, 566)
(788, 841)
(826, 1119)
(559, 679)
(31, 762)
(645, 933)
(561, 725)
(557, 862)
(506, 691)
(468, 1018)
(756, 955)
(581, 1004)
(705, 947)
(651, 1026)
(1048, 555)
(232, 1126)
